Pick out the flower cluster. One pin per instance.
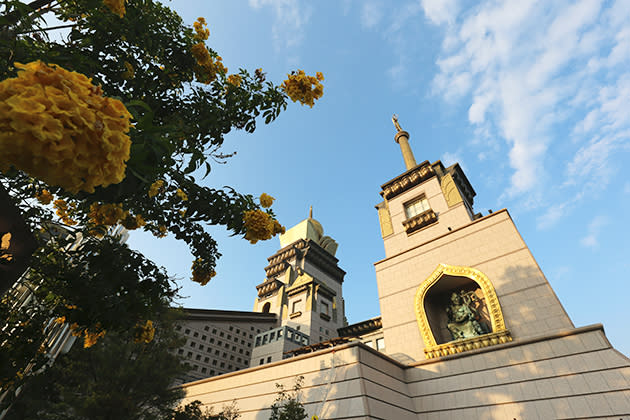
(303, 88)
(266, 200)
(234, 80)
(207, 65)
(156, 188)
(57, 126)
(182, 195)
(201, 31)
(105, 214)
(259, 226)
(201, 271)
(144, 333)
(64, 211)
(44, 197)
(117, 7)
(89, 337)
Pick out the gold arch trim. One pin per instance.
(499, 333)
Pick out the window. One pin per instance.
(206, 359)
(229, 367)
(279, 334)
(227, 345)
(242, 342)
(198, 357)
(200, 347)
(187, 331)
(212, 340)
(219, 342)
(192, 344)
(233, 348)
(246, 353)
(231, 328)
(262, 361)
(221, 334)
(211, 371)
(224, 355)
(204, 370)
(195, 367)
(380, 344)
(251, 336)
(238, 331)
(222, 364)
(272, 335)
(246, 362)
(416, 207)
(180, 351)
(238, 359)
(214, 363)
(268, 359)
(265, 338)
(178, 328)
(257, 330)
(297, 328)
(249, 344)
(321, 329)
(196, 334)
(206, 328)
(297, 305)
(214, 331)
(240, 351)
(229, 337)
(203, 337)
(324, 306)
(217, 352)
(189, 354)
(232, 357)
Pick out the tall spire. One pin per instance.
(402, 138)
(310, 213)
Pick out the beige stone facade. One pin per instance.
(515, 355)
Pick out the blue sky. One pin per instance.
(531, 98)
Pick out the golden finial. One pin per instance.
(310, 213)
(395, 121)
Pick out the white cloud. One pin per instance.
(290, 19)
(440, 11)
(595, 227)
(531, 67)
(371, 13)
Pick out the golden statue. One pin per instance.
(395, 121)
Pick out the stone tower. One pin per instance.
(303, 287)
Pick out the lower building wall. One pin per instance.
(570, 375)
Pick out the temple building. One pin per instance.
(469, 325)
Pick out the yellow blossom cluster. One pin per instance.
(90, 338)
(303, 88)
(104, 214)
(144, 333)
(234, 79)
(208, 67)
(259, 226)
(117, 7)
(201, 31)
(64, 211)
(44, 197)
(182, 195)
(161, 231)
(201, 272)
(129, 73)
(266, 200)
(156, 188)
(57, 126)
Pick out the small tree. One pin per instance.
(287, 405)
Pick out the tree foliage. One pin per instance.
(287, 405)
(182, 102)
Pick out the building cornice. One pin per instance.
(407, 180)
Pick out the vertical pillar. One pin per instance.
(402, 138)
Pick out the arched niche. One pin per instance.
(266, 307)
(432, 298)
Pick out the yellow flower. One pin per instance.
(57, 126)
(133, 222)
(91, 338)
(64, 211)
(201, 32)
(156, 188)
(303, 88)
(129, 73)
(144, 333)
(258, 226)
(117, 7)
(161, 233)
(44, 197)
(201, 271)
(182, 195)
(106, 214)
(234, 79)
(266, 200)
(60, 320)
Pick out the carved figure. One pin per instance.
(395, 121)
(463, 316)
